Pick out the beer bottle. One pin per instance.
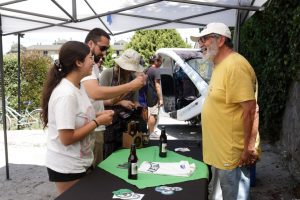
(132, 163)
(163, 143)
(138, 140)
(132, 130)
(137, 126)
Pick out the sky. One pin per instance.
(50, 37)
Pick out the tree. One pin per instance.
(10, 66)
(146, 42)
(270, 40)
(108, 60)
(33, 73)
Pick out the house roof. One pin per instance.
(119, 45)
(52, 47)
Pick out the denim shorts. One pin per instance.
(230, 184)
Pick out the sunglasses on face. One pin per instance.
(102, 48)
(206, 37)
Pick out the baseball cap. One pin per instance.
(215, 27)
(130, 60)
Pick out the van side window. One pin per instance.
(185, 90)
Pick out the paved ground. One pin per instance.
(29, 181)
(28, 176)
(273, 181)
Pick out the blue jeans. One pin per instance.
(230, 184)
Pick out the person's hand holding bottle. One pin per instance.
(138, 82)
(126, 104)
(105, 117)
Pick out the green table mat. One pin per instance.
(151, 154)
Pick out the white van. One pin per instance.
(184, 81)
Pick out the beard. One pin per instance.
(211, 51)
(97, 58)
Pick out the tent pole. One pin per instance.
(20, 35)
(3, 101)
(62, 9)
(34, 14)
(177, 20)
(98, 17)
(11, 2)
(120, 10)
(247, 13)
(166, 21)
(236, 41)
(238, 7)
(74, 9)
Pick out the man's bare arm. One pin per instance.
(249, 108)
(251, 145)
(97, 92)
(159, 93)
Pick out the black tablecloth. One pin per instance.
(100, 184)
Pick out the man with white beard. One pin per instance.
(228, 115)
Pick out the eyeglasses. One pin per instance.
(206, 37)
(102, 48)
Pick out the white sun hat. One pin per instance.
(215, 27)
(130, 60)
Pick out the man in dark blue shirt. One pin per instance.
(154, 74)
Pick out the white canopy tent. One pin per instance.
(116, 17)
(121, 16)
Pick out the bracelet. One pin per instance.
(96, 123)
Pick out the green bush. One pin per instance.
(10, 65)
(270, 41)
(33, 73)
(108, 61)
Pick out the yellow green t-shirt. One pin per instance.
(233, 81)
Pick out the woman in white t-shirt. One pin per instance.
(70, 117)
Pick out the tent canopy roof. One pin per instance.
(119, 16)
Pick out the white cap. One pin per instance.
(130, 60)
(215, 27)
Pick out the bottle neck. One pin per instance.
(137, 126)
(133, 150)
(132, 130)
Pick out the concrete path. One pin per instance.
(28, 176)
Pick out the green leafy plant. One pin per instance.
(146, 42)
(108, 61)
(33, 73)
(270, 41)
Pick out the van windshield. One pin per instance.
(195, 60)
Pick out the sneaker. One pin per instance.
(154, 135)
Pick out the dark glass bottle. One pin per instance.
(137, 140)
(132, 163)
(163, 143)
(132, 128)
(137, 126)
